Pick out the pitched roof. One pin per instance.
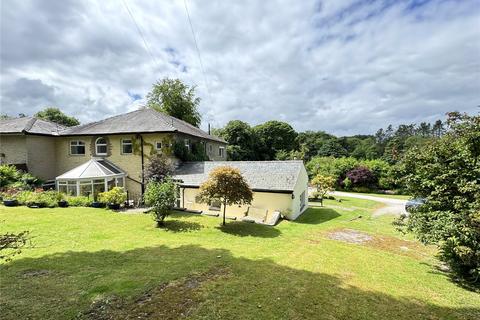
(139, 121)
(30, 125)
(260, 175)
(93, 168)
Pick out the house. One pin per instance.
(278, 186)
(94, 157)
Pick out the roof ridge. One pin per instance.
(30, 124)
(86, 125)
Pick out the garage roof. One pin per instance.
(279, 176)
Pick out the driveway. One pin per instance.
(391, 206)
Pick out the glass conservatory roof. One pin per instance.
(94, 168)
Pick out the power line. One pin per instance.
(147, 47)
(198, 50)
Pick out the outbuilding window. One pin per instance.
(158, 145)
(101, 146)
(127, 146)
(221, 152)
(77, 147)
(187, 144)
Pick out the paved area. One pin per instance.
(391, 206)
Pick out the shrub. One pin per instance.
(324, 184)
(158, 168)
(44, 199)
(197, 152)
(115, 196)
(13, 178)
(361, 177)
(161, 197)
(347, 183)
(23, 196)
(80, 201)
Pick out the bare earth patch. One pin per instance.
(386, 243)
(172, 300)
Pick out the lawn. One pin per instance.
(95, 264)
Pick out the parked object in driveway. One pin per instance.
(414, 204)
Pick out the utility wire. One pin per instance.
(147, 47)
(198, 50)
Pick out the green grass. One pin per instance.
(241, 271)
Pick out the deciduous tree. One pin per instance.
(56, 115)
(227, 185)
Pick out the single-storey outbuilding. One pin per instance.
(278, 186)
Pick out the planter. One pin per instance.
(62, 204)
(98, 205)
(114, 206)
(10, 203)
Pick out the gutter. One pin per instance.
(253, 189)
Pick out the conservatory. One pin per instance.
(91, 178)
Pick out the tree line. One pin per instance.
(276, 140)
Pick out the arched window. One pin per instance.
(101, 146)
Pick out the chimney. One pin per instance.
(209, 128)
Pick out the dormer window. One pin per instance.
(101, 147)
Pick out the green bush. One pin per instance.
(23, 196)
(44, 199)
(79, 201)
(161, 197)
(115, 196)
(10, 177)
(197, 152)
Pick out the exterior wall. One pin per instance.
(300, 187)
(263, 200)
(213, 152)
(130, 163)
(14, 149)
(41, 156)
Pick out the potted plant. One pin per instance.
(96, 201)
(113, 198)
(9, 198)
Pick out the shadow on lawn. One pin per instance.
(245, 229)
(169, 283)
(181, 226)
(316, 215)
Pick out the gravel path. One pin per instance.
(392, 206)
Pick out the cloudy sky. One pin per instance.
(345, 67)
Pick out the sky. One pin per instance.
(345, 67)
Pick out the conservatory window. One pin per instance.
(101, 147)
(127, 146)
(72, 188)
(77, 147)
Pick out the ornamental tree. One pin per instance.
(227, 185)
(159, 168)
(446, 173)
(324, 185)
(361, 176)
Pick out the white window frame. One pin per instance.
(221, 152)
(187, 143)
(156, 145)
(124, 143)
(101, 145)
(77, 143)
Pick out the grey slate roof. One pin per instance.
(30, 125)
(260, 175)
(139, 121)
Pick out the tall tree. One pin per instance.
(446, 173)
(241, 140)
(275, 136)
(175, 98)
(227, 185)
(55, 115)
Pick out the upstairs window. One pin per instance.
(127, 146)
(221, 152)
(77, 147)
(101, 147)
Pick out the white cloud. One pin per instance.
(344, 67)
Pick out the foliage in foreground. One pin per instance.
(11, 177)
(161, 197)
(11, 244)
(159, 168)
(447, 174)
(227, 185)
